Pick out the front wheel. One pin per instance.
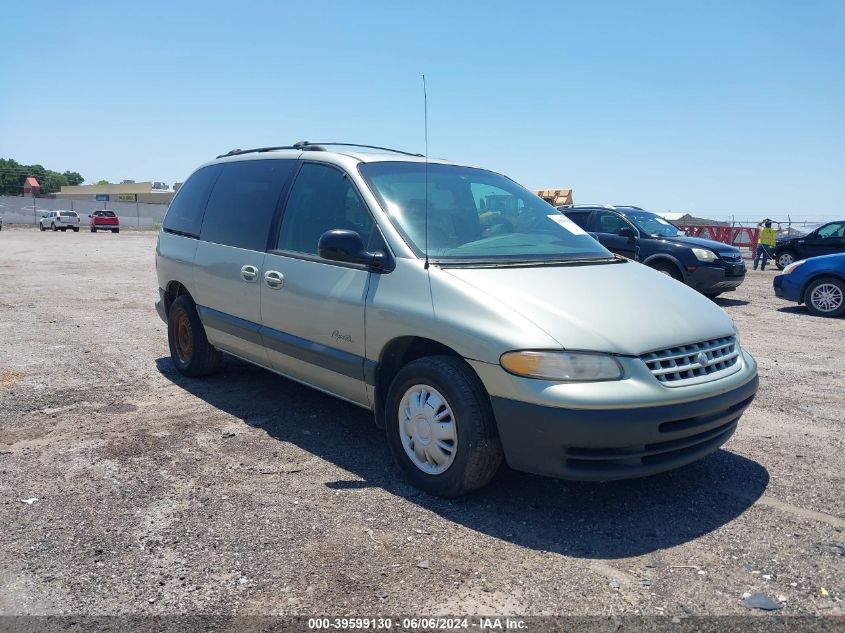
(41, 226)
(784, 259)
(190, 350)
(826, 297)
(53, 226)
(440, 427)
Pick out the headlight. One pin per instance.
(793, 266)
(703, 255)
(562, 366)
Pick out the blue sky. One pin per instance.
(712, 107)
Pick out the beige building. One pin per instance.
(124, 192)
(555, 197)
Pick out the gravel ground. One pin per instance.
(249, 494)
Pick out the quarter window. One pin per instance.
(184, 216)
(322, 199)
(243, 202)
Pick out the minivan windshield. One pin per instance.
(651, 223)
(475, 216)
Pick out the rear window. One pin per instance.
(69, 214)
(243, 202)
(106, 214)
(184, 216)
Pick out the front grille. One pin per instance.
(697, 362)
(731, 257)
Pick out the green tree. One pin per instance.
(73, 178)
(13, 175)
(103, 182)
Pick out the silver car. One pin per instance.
(475, 321)
(59, 221)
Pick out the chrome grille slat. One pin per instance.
(682, 365)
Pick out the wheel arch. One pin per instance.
(397, 353)
(171, 291)
(663, 258)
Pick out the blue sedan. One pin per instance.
(818, 282)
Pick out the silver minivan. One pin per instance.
(473, 319)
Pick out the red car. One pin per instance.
(105, 220)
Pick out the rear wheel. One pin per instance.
(76, 229)
(190, 350)
(826, 297)
(440, 427)
(115, 230)
(785, 259)
(668, 269)
(53, 226)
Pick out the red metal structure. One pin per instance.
(739, 236)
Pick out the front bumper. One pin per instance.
(606, 444)
(717, 278)
(786, 288)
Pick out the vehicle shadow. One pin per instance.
(726, 302)
(588, 520)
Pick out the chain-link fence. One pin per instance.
(22, 210)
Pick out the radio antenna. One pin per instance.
(425, 125)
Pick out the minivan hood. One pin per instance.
(624, 308)
(700, 242)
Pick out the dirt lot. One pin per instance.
(246, 493)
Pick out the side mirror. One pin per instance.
(341, 245)
(89, 215)
(627, 231)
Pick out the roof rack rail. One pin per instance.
(312, 147)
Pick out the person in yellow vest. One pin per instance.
(765, 242)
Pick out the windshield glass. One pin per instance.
(651, 223)
(475, 215)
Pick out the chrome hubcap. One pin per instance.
(427, 428)
(826, 297)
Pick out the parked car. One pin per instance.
(827, 239)
(710, 267)
(104, 220)
(59, 221)
(477, 322)
(818, 283)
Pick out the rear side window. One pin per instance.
(243, 202)
(322, 199)
(580, 218)
(184, 216)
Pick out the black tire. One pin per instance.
(783, 264)
(479, 450)
(203, 359)
(115, 230)
(41, 226)
(64, 229)
(669, 269)
(93, 229)
(53, 226)
(835, 283)
(76, 229)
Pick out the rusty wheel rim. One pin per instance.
(182, 337)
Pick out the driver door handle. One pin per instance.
(249, 273)
(274, 279)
